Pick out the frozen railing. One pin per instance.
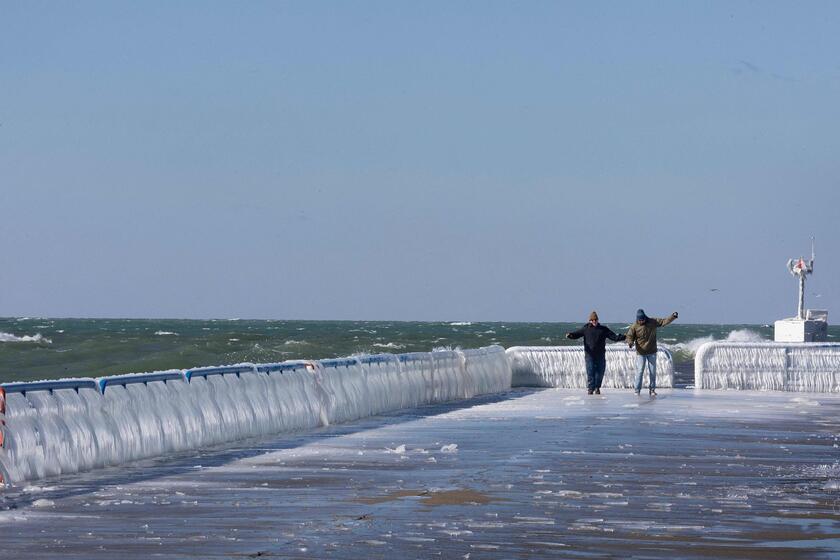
(564, 366)
(768, 366)
(57, 427)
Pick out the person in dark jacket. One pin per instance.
(595, 337)
(642, 333)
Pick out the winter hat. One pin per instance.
(640, 315)
(593, 316)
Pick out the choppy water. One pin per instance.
(39, 348)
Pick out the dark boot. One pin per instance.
(597, 391)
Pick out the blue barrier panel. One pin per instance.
(339, 362)
(283, 367)
(139, 378)
(378, 359)
(222, 370)
(414, 357)
(76, 384)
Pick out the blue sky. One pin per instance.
(505, 161)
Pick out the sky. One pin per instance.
(483, 161)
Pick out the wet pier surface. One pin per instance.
(531, 474)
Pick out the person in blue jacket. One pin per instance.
(595, 337)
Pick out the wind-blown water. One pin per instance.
(97, 347)
(65, 430)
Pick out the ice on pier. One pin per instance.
(695, 474)
(67, 426)
(768, 366)
(564, 366)
(798, 360)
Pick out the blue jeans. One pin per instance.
(595, 368)
(650, 360)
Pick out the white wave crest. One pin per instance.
(738, 335)
(744, 335)
(166, 333)
(461, 323)
(691, 346)
(291, 342)
(9, 337)
(388, 345)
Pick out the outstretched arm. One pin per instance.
(631, 336)
(667, 320)
(575, 334)
(615, 337)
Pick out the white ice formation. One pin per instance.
(768, 366)
(58, 427)
(564, 366)
(67, 426)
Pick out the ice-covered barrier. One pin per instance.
(564, 366)
(67, 426)
(768, 366)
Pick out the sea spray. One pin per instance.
(683, 351)
(37, 338)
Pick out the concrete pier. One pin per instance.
(549, 473)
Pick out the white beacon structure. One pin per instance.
(809, 325)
